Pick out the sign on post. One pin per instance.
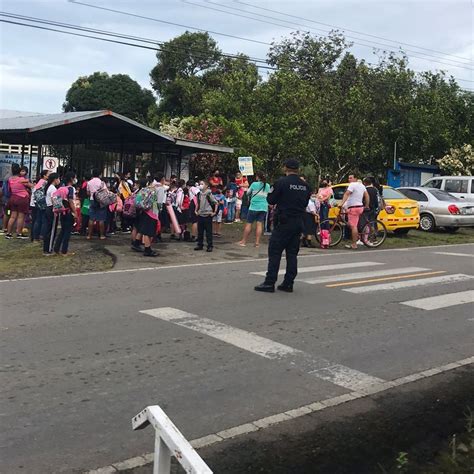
(50, 163)
(246, 165)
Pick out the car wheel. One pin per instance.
(452, 230)
(401, 231)
(427, 223)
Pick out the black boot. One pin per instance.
(265, 288)
(287, 288)
(149, 252)
(199, 247)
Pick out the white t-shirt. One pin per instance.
(49, 193)
(311, 207)
(356, 198)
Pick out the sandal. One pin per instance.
(241, 244)
(350, 247)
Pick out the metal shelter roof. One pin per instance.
(110, 130)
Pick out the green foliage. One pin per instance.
(118, 93)
(459, 161)
(178, 76)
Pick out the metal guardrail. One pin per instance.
(169, 442)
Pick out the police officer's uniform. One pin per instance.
(290, 195)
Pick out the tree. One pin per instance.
(118, 93)
(178, 76)
(459, 161)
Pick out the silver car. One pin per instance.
(440, 209)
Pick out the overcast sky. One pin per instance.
(37, 67)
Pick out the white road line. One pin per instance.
(363, 275)
(322, 268)
(317, 366)
(455, 254)
(263, 423)
(397, 285)
(227, 262)
(442, 301)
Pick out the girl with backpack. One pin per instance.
(38, 207)
(49, 232)
(147, 218)
(19, 201)
(68, 216)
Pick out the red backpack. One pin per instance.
(186, 203)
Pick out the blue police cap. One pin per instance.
(292, 164)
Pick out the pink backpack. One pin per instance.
(130, 207)
(325, 238)
(60, 200)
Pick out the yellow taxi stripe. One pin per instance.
(373, 280)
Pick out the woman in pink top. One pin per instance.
(324, 195)
(19, 201)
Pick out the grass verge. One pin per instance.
(23, 259)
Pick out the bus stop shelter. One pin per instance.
(104, 138)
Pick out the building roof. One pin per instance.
(418, 166)
(110, 130)
(7, 113)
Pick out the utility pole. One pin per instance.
(395, 154)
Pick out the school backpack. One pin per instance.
(145, 198)
(60, 200)
(129, 207)
(103, 197)
(186, 203)
(39, 197)
(325, 238)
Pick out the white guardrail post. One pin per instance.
(169, 442)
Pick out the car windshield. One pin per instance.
(390, 193)
(443, 195)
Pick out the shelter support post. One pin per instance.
(39, 159)
(22, 155)
(31, 163)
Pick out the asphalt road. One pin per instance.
(79, 357)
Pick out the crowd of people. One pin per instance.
(54, 207)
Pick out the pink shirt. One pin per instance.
(39, 183)
(325, 193)
(17, 186)
(94, 185)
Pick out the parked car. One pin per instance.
(441, 209)
(461, 187)
(399, 215)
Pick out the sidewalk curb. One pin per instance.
(262, 423)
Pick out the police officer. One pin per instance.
(290, 195)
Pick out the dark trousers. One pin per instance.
(323, 215)
(62, 242)
(85, 224)
(204, 225)
(285, 237)
(38, 225)
(49, 229)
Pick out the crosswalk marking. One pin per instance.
(323, 268)
(445, 279)
(359, 275)
(251, 342)
(442, 301)
(455, 254)
(398, 277)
